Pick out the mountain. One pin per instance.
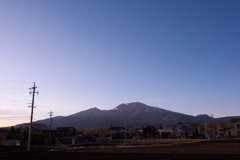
(134, 114)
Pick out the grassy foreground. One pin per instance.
(220, 149)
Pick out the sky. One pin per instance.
(181, 56)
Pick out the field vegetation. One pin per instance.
(216, 149)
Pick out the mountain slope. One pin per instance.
(134, 114)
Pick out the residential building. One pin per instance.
(73, 139)
(135, 132)
(150, 132)
(234, 131)
(179, 128)
(65, 131)
(165, 133)
(117, 132)
(190, 132)
(3, 134)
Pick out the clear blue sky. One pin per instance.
(178, 55)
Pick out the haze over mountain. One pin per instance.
(134, 114)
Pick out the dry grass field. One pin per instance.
(216, 149)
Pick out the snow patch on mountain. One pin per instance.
(148, 109)
(115, 108)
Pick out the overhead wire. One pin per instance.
(42, 102)
(15, 101)
(15, 118)
(41, 112)
(14, 81)
(14, 88)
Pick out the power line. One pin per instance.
(14, 118)
(42, 112)
(14, 81)
(42, 103)
(13, 88)
(15, 101)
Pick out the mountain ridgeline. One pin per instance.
(133, 114)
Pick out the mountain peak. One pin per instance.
(135, 103)
(137, 107)
(94, 109)
(204, 117)
(127, 106)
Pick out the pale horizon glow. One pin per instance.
(181, 56)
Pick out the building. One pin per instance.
(190, 132)
(65, 131)
(165, 133)
(117, 129)
(117, 132)
(66, 135)
(135, 132)
(150, 132)
(179, 128)
(3, 134)
(73, 139)
(234, 131)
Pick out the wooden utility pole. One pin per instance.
(111, 129)
(213, 127)
(164, 124)
(206, 131)
(50, 126)
(30, 129)
(126, 129)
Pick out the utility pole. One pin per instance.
(50, 126)
(126, 129)
(206, 127)
(164, 124)
(213, 127)
(30, 129)
(111, 129)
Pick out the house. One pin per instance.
(135, 132)
(117, 132)
(165, 133)
(234, 131)
(73, 139)
(46, 131)
(117, 129)
(56, 132)
(11, 142)
(190, 132)
(223, 132)
(150, 132)
(3, 134)
(65, 135)
(198, 127)
(179, 128)
(65, 131)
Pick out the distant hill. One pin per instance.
(134, 114)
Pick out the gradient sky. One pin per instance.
(178, 55)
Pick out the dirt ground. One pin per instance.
(217, 149)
